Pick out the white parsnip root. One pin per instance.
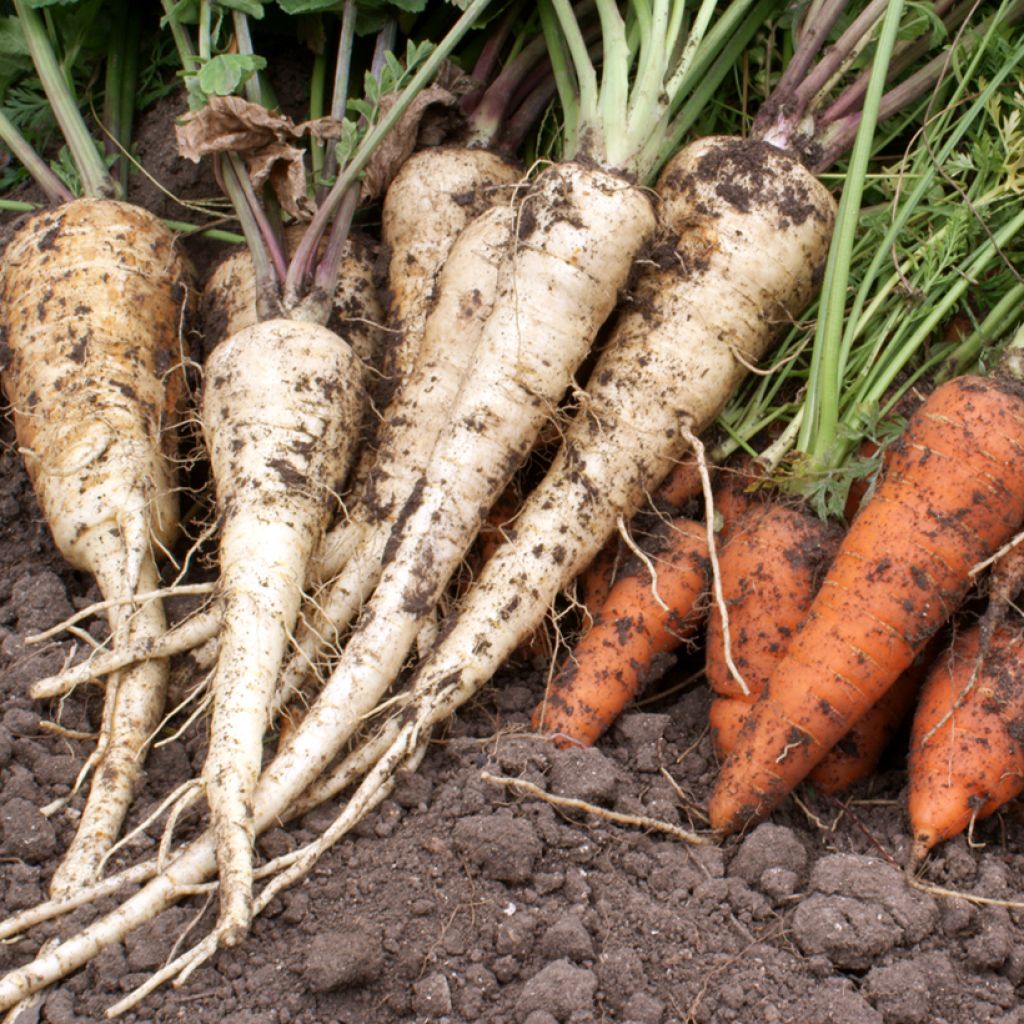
(227, 305)
(435, 196)
(436, 193)
(412, 423)
(280, 413)
(92, 297)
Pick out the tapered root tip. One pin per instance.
(923, 844)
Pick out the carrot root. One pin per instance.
(636, 625)
(952, 494)
(966, 757)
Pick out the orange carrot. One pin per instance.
(595, 582)
(953, 493)
(857, 754)
(770, 569)
(621, 651)
(966, 754)
(681, 484)
(737, 493)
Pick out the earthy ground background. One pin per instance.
(459, 900)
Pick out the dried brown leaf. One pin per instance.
(284, 167)
(230, 124)
(262, 138)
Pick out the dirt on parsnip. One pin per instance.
(463, 900)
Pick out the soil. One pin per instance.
(462, 900)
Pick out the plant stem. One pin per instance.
(268, 266)
(1002, 316)
(243, 37)
(182, 42)
(490, 53)
(492, 103)
(836, 139)
(383, 44)
(849, 100)
(55, 189)
(565, 80)
(613, 97)
(205, 40)
(326, 278)
(819, 427)
(295, 278)
(712, 61)
(119, 88)
(182, 227)
(586, 76)
(96, 180)
(517, 124)
(317, 81)
(339, 93)
(821, 19)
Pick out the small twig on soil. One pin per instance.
(985, 901)
(886, 855)
(684, 798)
(810, 815)
(45, 725)
(634, 820)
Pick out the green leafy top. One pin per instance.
(652, 60)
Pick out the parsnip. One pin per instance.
(92, 296)
(579, 229)
(227, 305)
(435, 195)
(465, 296)
(280, 414)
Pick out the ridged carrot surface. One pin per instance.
(770, 569)
(966, 751)
(617, 655)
